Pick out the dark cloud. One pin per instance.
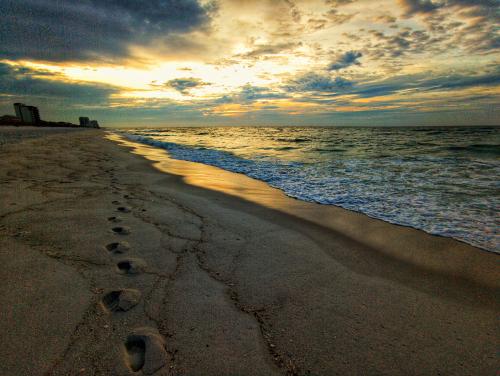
(346, 60)
(467, 28)
(461, 82)
(314, 82)
(183, 85)
(478, 35)
(24, 82)
(91, 29)
(425, 82)
(420, 6)
(397, 44)
(336, 3)
(249, 94)
(430, 6)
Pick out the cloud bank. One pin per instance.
(260, 61)
(67, 30)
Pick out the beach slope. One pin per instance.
(111, 266)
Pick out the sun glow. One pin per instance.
(298, 57)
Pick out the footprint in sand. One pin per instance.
(121, 230)
(118, 248)
(136, 354)
(131, 266)
(121, 300)
(123, 209)
(145, 351)
(114, 219)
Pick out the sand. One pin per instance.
(117, 260)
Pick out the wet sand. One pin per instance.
(117, 264)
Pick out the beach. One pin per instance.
(118, 260)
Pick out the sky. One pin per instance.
(253, 62)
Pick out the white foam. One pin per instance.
(430, 192)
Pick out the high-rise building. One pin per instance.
(84, 121)
(35, 114)
(27, 114)
(87, 123)
(17, 108)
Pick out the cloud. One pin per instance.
(461, 82)
(314, 82)
(67, 30)
(403, 42)
(430, 6)
(249, 94)
(336, 3)
(385, 19)
(425, 83)
(338, 18)
(25, 82)
(183, 85)
(294, 11)
(422, 82)
(346, 60)
(419, 6)
(270, 49)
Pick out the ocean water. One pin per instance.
(445, 181)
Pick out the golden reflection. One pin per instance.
(241, 186)
(347, 225)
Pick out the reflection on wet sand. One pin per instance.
(398, 242)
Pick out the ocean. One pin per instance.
(445, 181)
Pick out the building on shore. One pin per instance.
(17, 108)
(27, 114)
(84, 121)
(30, 115)
(87, 123)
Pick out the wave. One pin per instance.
(223, 159)
(418, 186)
(297, 139)
(326, 150)
(477, 148)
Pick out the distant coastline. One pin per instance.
(8, 121)
(30, 116)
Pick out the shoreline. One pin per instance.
(341, 220)
(455, 229)
(235, 280)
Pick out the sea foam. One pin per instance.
(443, 181)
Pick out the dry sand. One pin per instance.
(112, 267)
